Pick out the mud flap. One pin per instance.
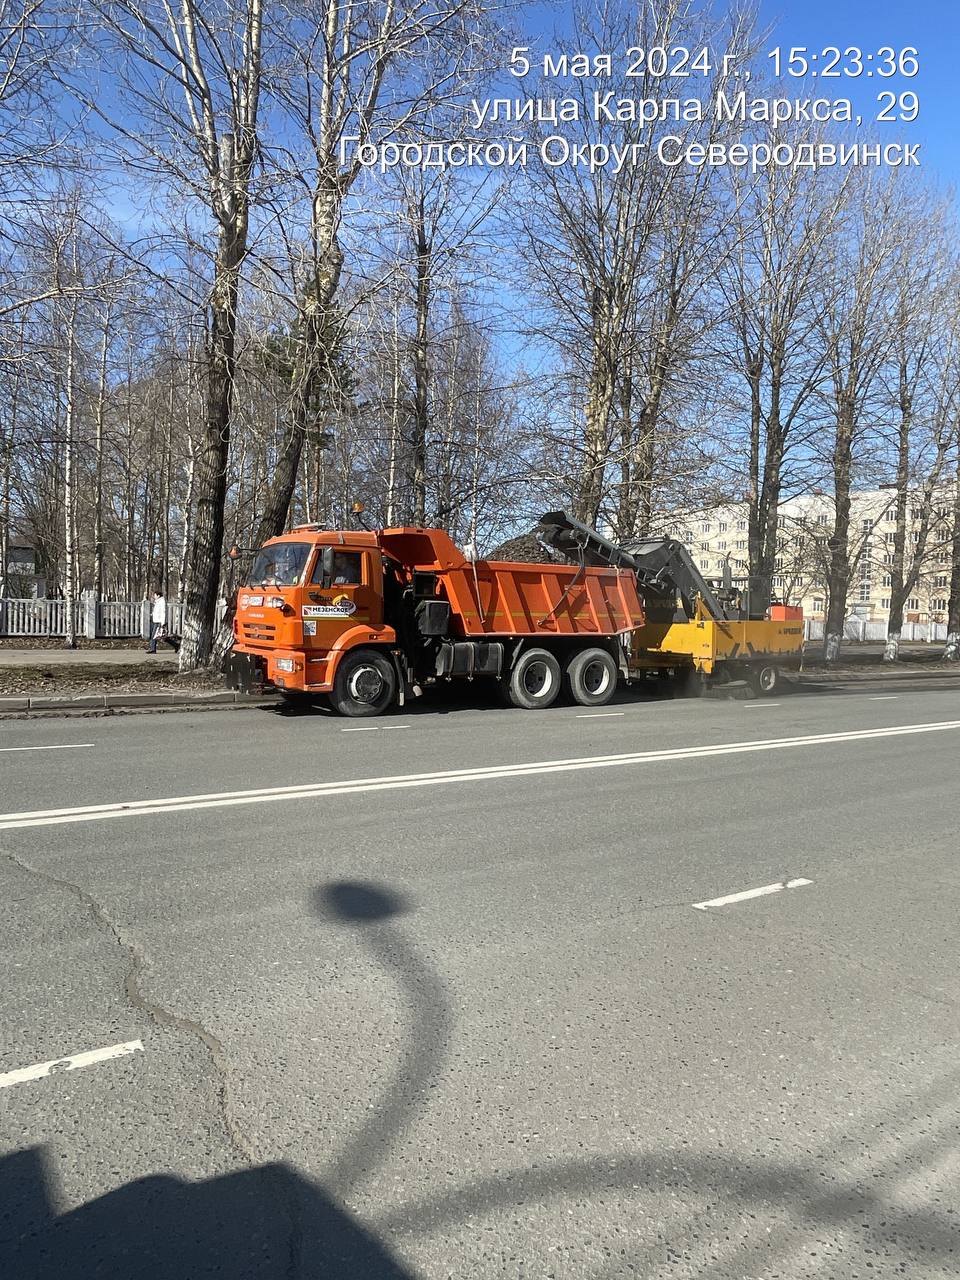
(245, 672)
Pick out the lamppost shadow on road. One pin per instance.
(373, 909)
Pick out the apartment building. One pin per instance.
(715, 534)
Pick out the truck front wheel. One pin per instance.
(365, 684)
(592, 677)
(535, 680)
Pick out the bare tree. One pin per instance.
(923, 395)
(191, 80)
(614, 255)
(773, 287)
(857, 334)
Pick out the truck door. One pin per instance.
(344, 590)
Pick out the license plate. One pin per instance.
(247, 601)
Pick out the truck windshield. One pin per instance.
(279, 565)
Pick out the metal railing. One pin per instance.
(865, 630)
(92, 619)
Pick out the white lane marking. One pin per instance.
(752, 893)
(760, 706)
(316, 790)
(75, 1060)
(598, 715)
(883, 697)
(60, 746)
(373, 728)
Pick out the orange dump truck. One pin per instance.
(367, 618)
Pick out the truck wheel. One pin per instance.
(592, 677)
(535, 680)
(764, 680)
(365, 684)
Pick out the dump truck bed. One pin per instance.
(507, 598)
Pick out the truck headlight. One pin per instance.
(284, 664)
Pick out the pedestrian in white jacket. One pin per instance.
(158, 621)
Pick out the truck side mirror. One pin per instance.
(327, 562)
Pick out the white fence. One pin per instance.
(116, 618)
(92, 618)
(864, 630)
(34, 617)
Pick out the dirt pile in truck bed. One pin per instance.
(526, 548)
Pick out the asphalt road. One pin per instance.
(432, 996)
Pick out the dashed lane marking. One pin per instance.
(71, 1063)
(728, 898)
(59, 746)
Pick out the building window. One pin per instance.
(887, 581)
(721, 546)
(705, 528)
(942, 580)
(741, 524)
(821, 520)
(891, 516)
(943, 535)
(742, 544)
(866, 525)
(818, 604)
(890, 536)
(722, 527)
(888, 559)
(864, 592)
(885, 602)
(938, 606)
(913, 603)
(777, 582)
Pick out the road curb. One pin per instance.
(129, 701)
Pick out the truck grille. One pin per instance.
(257, 631)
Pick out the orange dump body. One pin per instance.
(510, 598)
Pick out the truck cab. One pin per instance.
(308, 597)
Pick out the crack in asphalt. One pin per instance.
(164, 1017)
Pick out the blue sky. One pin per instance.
(930, 26)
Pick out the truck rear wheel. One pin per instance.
(592, 677)
(764, 679)
(535, 680)
(365, 684)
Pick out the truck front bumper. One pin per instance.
(288, 669)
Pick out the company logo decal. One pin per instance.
(338, 607)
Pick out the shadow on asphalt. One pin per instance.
(268, 1221)
(482, 697)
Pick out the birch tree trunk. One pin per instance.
(898, 592)
(838, 573)
(420, 417)
(951, 651)
(69, 484)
